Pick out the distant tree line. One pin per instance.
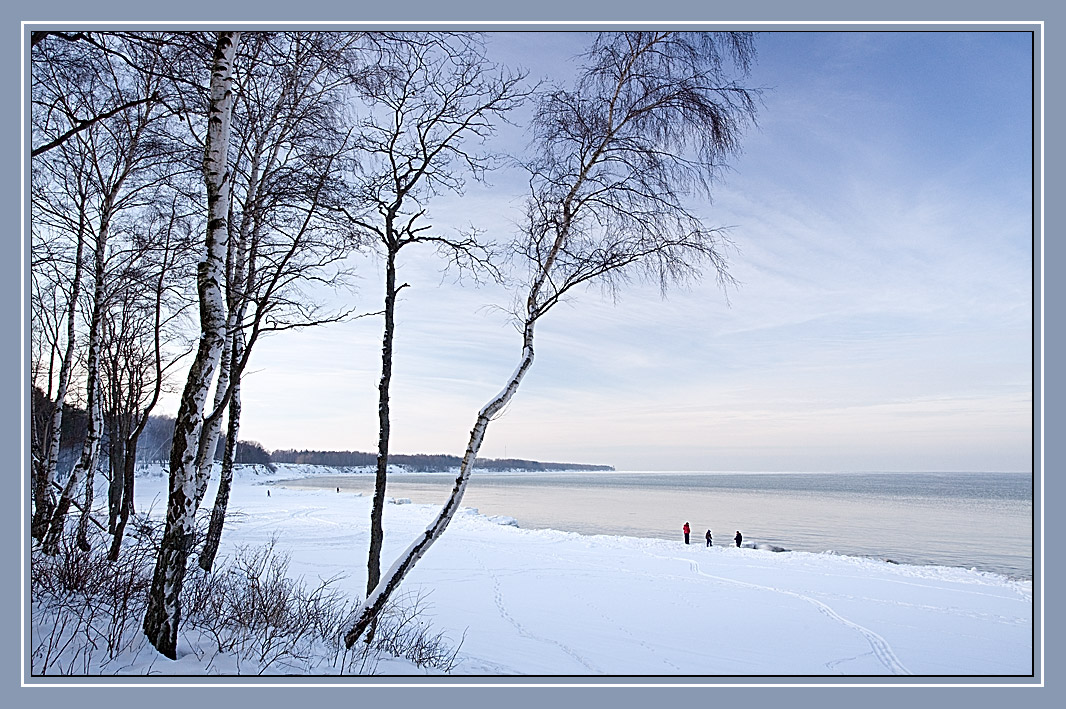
(418, 463)
(159, 432)
(155, 440)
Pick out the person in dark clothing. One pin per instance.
(709, 538)
(739, 538)
(685, 529)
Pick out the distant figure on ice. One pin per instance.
(739, 538)
(685, 529)
(338, 489)
(709, 538)
(268, 493)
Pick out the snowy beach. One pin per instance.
(542, 602)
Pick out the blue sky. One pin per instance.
(882, 214)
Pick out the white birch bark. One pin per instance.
(45, 505)
(225, 482)
(390, 581)
(86, 464)
(237, 304)
(164, 606)
(90, 454)
(242, 274)
(212, 426)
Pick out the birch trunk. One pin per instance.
(240, 286)
(86, 464)
(205, 453)
(164, 603)
(45, 501)
(90, 480)
(218, 512)
(116, 466)
(379, 596)
(125, 506)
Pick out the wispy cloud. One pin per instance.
(882, 213)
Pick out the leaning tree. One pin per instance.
(427, 110)
(618, 161)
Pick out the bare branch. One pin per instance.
(615, 159)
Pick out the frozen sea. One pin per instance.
(982, 521)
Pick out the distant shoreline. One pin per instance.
(424, 463)
(800, 512)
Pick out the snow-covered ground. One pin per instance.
(543, 602)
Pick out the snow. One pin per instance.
(545, 602)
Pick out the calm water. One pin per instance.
(979, 520)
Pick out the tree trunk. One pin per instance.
(240, 284)
(90, 448)
(125, 508)
(86, 462)
(118, 430)
(164, 603)
(114, 467)
(87, 505)
(377, 510)
(45, 501)
(205, 456)
(379, 596)
(218, 512)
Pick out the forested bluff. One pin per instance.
(160, 430)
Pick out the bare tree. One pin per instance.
(70, 215)
(114, 162)
(430, 107)
(164, 610)
(289, 88)
(143, 342)
(648, 125)
(273, 104)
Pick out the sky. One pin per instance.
(882, 217)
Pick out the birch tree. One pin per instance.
(617, 161)
(73, 192)
(114, 165)
(164, 605)
(429, 108)
(144, 342)
(288, 98)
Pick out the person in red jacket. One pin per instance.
(685, 529)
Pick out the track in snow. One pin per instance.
(522, 630)
(881, 649)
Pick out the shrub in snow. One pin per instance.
(246, 617)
